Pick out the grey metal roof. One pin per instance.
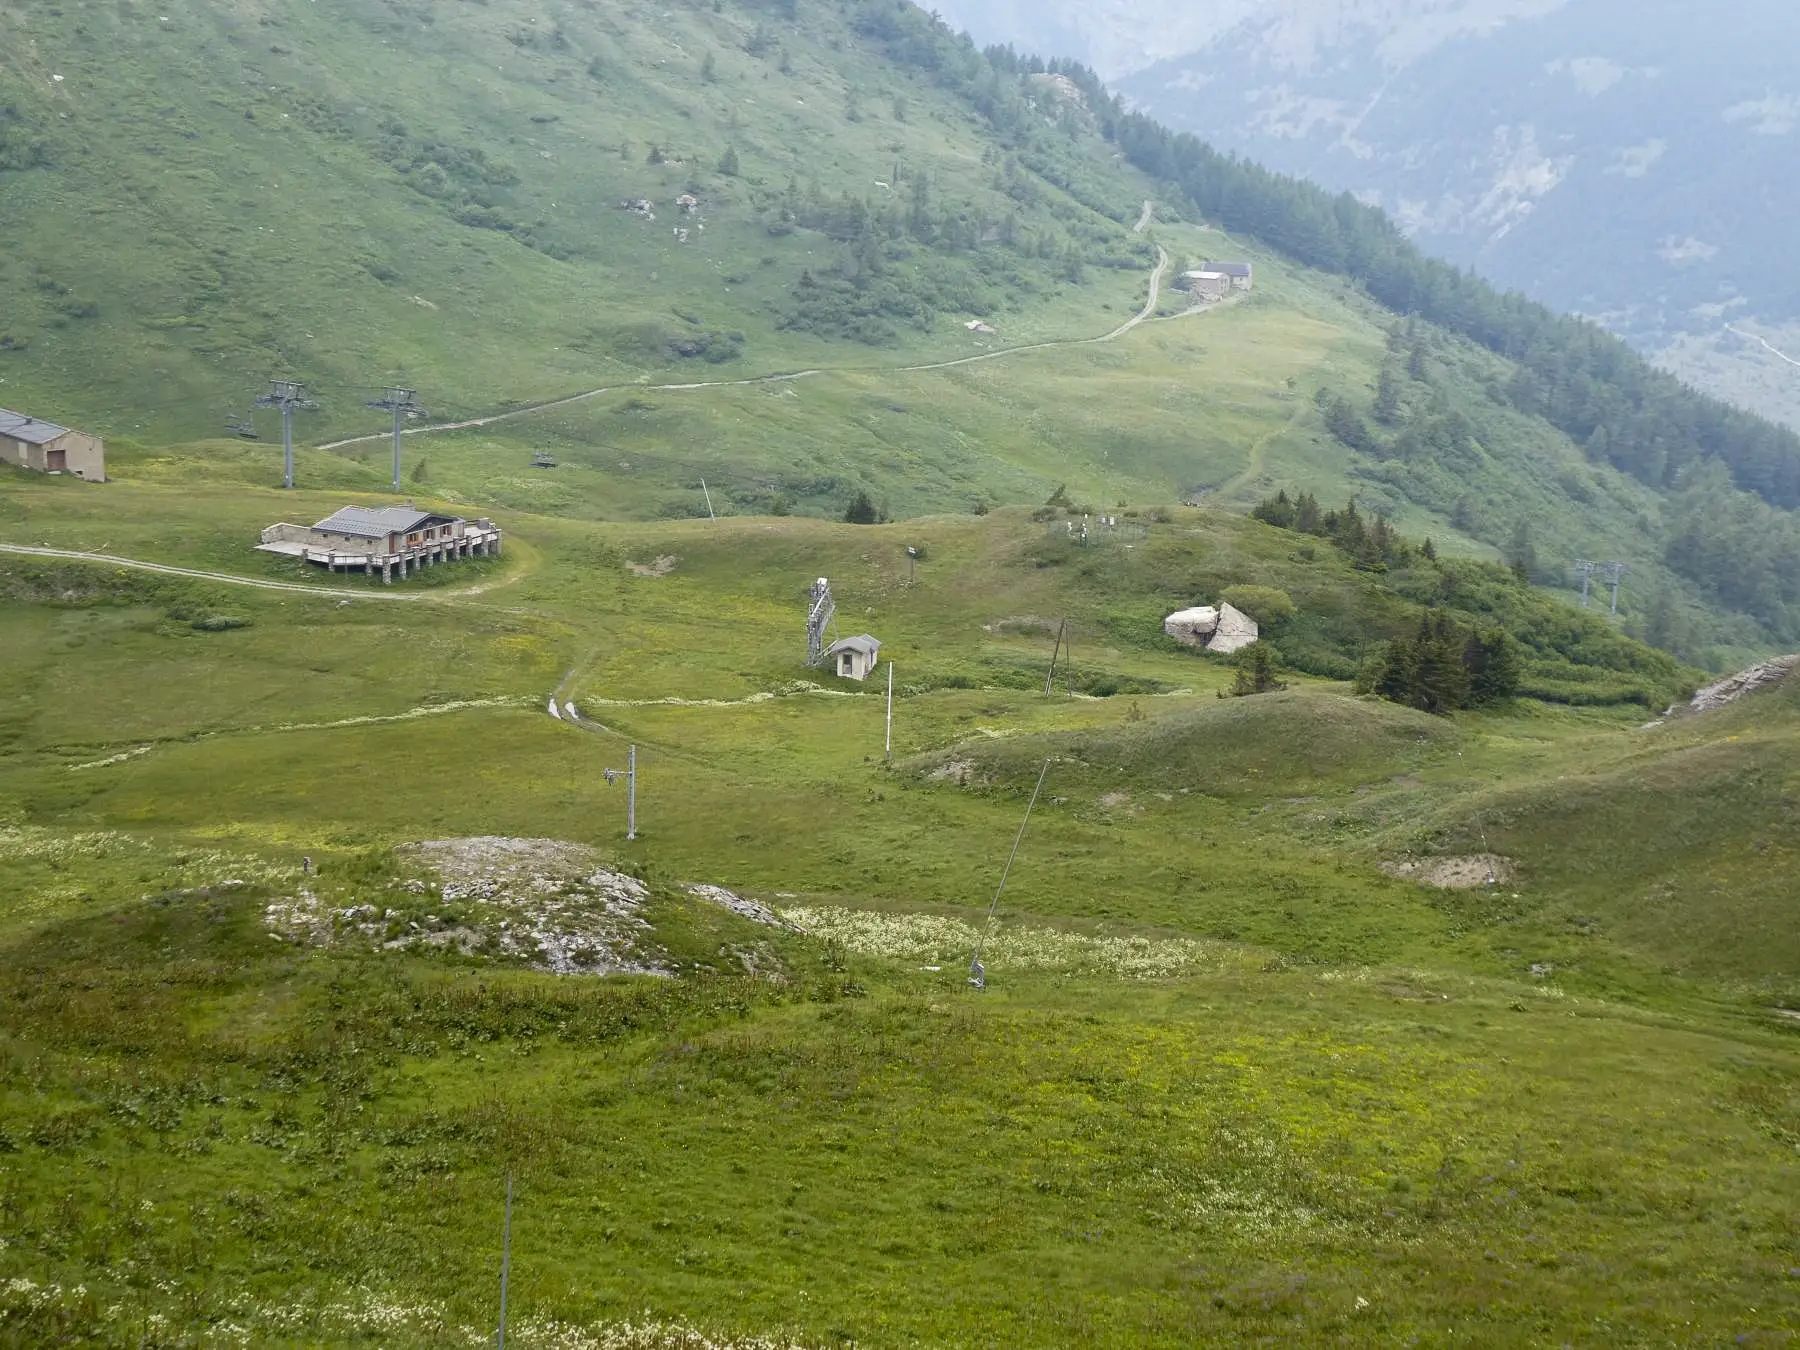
(1229, 269)
(865, 644)
(31, 430)
(376, 522)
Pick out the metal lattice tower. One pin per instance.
(824, 609)
(1615, 573)
(286, 395)
(1585, 570)
(403, 403)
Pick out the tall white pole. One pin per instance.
(631, 795)
(709, 510)
(505, 1261)
(890, 713)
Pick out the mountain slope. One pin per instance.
(462, 201)
(353, 192)
(1590, 153)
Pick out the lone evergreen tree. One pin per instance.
(861, 510)
(728, 162)
(1256, 665)
(1387, 397)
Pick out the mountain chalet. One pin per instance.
(385, 539)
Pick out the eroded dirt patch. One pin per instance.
(661, 567)
(1464, 873)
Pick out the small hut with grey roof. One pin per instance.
(855, 658)
(32, 443)
(384, 538)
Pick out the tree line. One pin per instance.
(1589, 384)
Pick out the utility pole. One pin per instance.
(505, 1261)
(977, 971)
(1615, 573)
(286, 395)
(1585, 570)
(912, 562)
(890, 714)
(402, 403)
(1055, 652)
(708, 495)
(629, 774)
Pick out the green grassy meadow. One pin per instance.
(1235, 1079)
(1230, 1083)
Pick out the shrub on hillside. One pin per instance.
(1256, 672)
(1268, 605)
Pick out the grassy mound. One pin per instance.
(1300, 741)
(1683, 850)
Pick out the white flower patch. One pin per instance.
(29, 843)
(936, 939)
(649, 1334)
(384, 1318)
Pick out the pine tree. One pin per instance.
(1521, 553)
(1277, 511)
(1387, 397)
(1440, 679)
(1495, 665)
(1428, 550)
(861, 510)
(1256, 667)
(728, 162)
(1416, 369)
(709, 69)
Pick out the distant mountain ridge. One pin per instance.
(1591, 153)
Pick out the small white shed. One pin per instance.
(855, 658)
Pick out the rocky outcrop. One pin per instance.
(1730, 690)
(1236, 630)
(1225, 630)
(1193, 626)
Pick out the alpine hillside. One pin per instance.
(1590, 153)
(638, 220)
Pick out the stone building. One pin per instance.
(32, 443)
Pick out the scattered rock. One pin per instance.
(958, 771)
(1193, 626)
(543, 901)
(1236, 631)
(1542, 970)
(660, 568)
(1224, 630)
(753, 910)
(1453, 874)
(1730, 690)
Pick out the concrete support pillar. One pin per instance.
(369, 566)
(387, 572)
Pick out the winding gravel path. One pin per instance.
(257, 583)
(1157, 276)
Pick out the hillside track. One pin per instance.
(256, 583)
(1158, 275)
